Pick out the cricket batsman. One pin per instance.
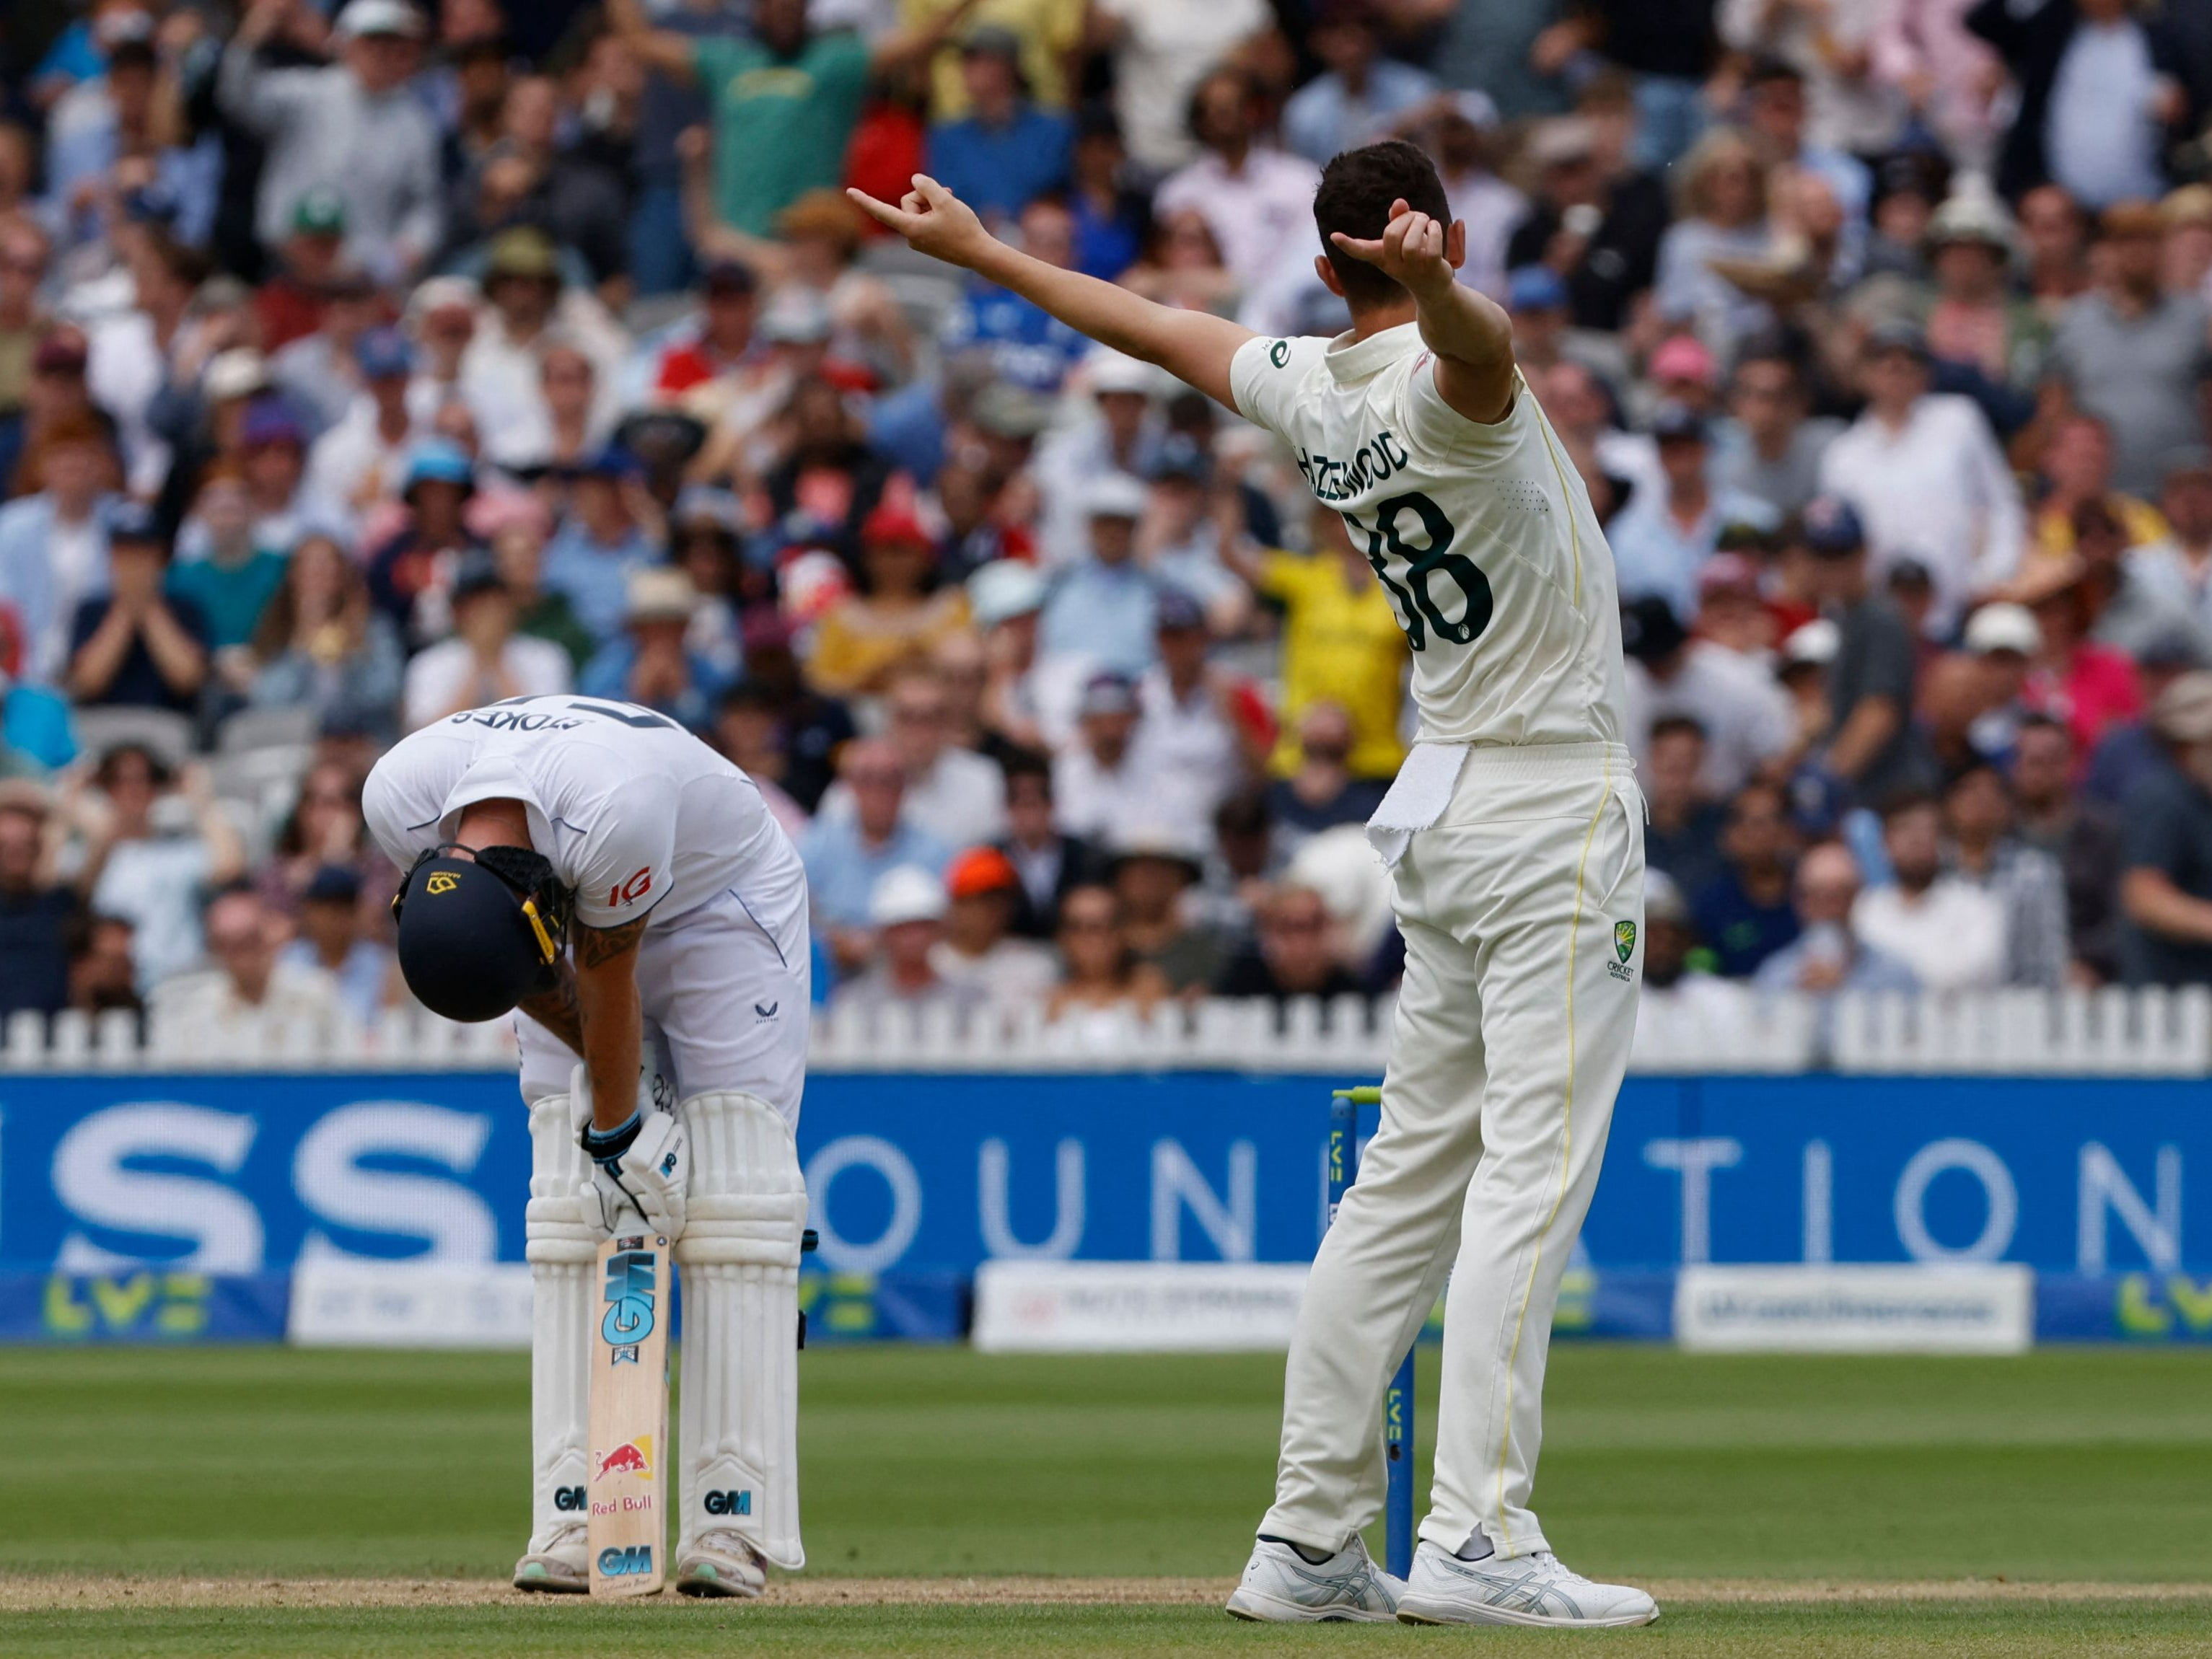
(593, 866)
(1515, 835)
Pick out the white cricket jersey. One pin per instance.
(635, 813)
(1483, 536)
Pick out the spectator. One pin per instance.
(138, 647)
(1101, 790)
(651, 664)
(53, 545)
(354, 128)
(1321, 792)
(2090, 686)
(1123, 437)
(485, 660)
(2081, 834)
(2131, 355)
(2176, 569)
(906, 909)
(1103, 608)
(1460, 131)
(2096, 88)
(317, 373)
(1194, 734)
(149, 867)
(517, 526)
(591, 557)
(1680, 987)
(1660, 541)
(1152, 868)
(1005, 598)
(1255, 200)
(532, 308)
(1986, 850)
(250, 986)
(811, 729)
(954, 794)
(1110, 215)
(1099, 973)
(323, 830)
(1742, 713)
(1682, 838)
(1004, 152)
(1721, 199)
(1745, 916)
(2166, 885)
(1871, 745)
(896, 618)
(979, 947)
(235, 575)
(1292, 956)
(36, 911)
(320, 644)
(1975, 320)
(1924, 476)
(331, 941)
(289, 304)
(1599, 229)
(103, 974)
(1161, 50)
(845, 857)
(1358, 93)
(1950, 933)
(1770, 448)
(1828, 954)
(409, 573)
(1048, 863)
(2078, 475)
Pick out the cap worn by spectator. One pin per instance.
(891, 525)
(1477, 109)
(1685, 358)
(611, 461)
(2002, 626)
(730, 277)
(476, 573)
(2170, 650)
(1972, 217)
(1108, 694)
(657, 593)
(1832, 527)
(1004, 589)
(134, 522)
(704, 505)
(332, 884)
(438, 293)
(1557, 143)
(1114, 495)
(2182, 713)
(384, 354)
(1727, 573)
(63, 354)
(1109, 372)
(1006, 410)
(1175, 612)
(1650, 631)
(268, 422)
(2123, 221)
(523, 252)
(1535, 287)
(238, 373)
(797, 316)
(978, 871)
(437, 460)
(2192, 204)
(1157, 841)
(1811, 645)
(1663, 900)
(1678, 423)
(1897, 334)
(1182, 460)
(1909, 575)
(905, 894)
(366, 17)
(993, 40)
(320, 211)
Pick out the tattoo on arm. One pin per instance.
(597, 946)
(558, 1010)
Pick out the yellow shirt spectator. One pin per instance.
(1048, 30)
(1341, 644)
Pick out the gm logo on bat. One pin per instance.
(616, 1562)
(628, 1318)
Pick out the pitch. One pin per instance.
(177, 1501)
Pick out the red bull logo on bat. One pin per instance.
(631, 1457)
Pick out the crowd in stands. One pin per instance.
(360, 365)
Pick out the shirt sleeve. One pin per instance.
(622, 867)
(1264, 377)
(2155, 831)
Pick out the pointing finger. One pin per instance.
(882, 212)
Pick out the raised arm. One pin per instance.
(1469, 332)
(1191, 345)
(661, 48)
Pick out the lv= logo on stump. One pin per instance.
(628, 1521)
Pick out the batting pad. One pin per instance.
(560, 1233)
(739, 1253)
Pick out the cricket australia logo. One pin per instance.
(1624, 947)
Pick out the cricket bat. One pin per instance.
(627, 1523)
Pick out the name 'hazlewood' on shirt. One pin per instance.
(1339, 481)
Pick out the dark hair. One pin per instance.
(1896, 804)
(1357, 189)
(1027, 763)
(1668, 725)
(2042, 722)
(1766, 69)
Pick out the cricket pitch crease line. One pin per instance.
(80, 1593)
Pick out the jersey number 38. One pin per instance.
(1418, 613)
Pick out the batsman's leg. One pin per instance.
(560, 1243)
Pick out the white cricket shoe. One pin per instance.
(1281, 1587)
(563, 1567)
(1529, 1589)
(720, 1562)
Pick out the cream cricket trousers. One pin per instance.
(1522, 908)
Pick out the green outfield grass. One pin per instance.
(2065, 1465)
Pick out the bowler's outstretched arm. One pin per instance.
(1192, 345)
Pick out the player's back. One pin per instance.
(1482, 536)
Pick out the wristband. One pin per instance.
(604, 1146)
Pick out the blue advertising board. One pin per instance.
(104, 1175)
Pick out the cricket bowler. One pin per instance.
(1515, 836)
(593, 867)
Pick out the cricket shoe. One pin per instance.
(562, 1568)
(720, 1562)
(1529, 1589)
(1281, 1587)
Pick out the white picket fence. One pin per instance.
(2110, 1033)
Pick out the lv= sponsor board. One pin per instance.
(627, 1523)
